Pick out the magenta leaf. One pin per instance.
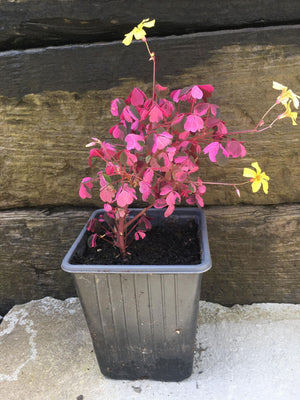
(207, 91)
(85, 188)
(128, 114)
(214, 109)
(160, 203)
(125, 195)
(155, 115)
(193, 123)
(180, 159)
(166, 107)
(165, 190)
(235, 149)
(107, 194)
(212, 149)
(134, 142)
(107, 207)
(139, 234)
(199, 200)
(180, 175)
(161, 90)
(196, 92)
(114, 107)
(148, 175)
(118, 131)
(172, 198)
(94, 153)
(169, 211)
(131, 159)
(137, 97)
(161, 140)
(108, 150)
(201, 108)
(145, 190)
(177, 119)
(175, 95)
(145, 221)
(94, 240)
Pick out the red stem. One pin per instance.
(121, 233)
(153, 78)
(138, 215)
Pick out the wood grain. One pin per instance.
(37, 23)
(255, 253)
(55, 99)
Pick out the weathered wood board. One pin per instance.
(255, 254)
(33, 23)
(54, 99)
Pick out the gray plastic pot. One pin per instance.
(142, 318)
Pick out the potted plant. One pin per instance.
(140, 299)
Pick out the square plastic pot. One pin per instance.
(143, 318)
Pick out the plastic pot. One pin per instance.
(143, 318)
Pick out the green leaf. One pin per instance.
(161, 161)
(107, 177)
(134, 112)
(123, 158)
(121, 105)
(191, 188)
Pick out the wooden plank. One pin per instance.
(33, 245)
(35, 23)
(53, 100)
(216, 56)
(255, 253)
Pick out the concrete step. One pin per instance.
(242, 353)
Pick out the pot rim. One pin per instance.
(185, 212)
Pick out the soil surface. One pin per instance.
(169, 244)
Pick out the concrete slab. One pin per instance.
(242, 353)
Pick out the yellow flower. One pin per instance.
(288, 113)
(138, 32)
(257, 178)
(286, 95)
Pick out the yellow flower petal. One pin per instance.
(279, 86)
(288, 113)
(249, 173)
(147, 23)
(138, 32)
(256, 186)
(256, 166)
(294, 98)
(257, 178)
(265, 186)
(286, 95)
(264, 176)
(128, 38)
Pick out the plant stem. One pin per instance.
(266, 113)
(152, 57)
(225, 184)
(121, 233)
(153, 77)
(138, 215)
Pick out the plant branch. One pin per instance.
(144, 210)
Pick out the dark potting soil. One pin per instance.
(167, 244)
